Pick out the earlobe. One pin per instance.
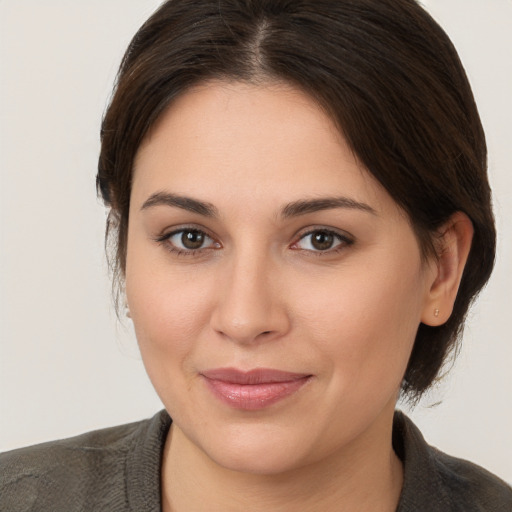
(453, 246)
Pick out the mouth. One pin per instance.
(255, 389)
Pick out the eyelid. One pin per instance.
(167, 233)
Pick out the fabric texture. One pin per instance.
(118, 470)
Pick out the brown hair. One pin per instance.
(384, 71)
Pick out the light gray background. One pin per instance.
(66, 364)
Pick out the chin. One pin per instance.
(262, 461)
(261, 449)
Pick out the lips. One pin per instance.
(255, 389)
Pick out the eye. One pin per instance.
(189, 240)
(321, 240)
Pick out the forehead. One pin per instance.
(225, 141)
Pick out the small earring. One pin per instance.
(127, 310)
(436, 312)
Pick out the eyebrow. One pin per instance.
(185, 203)
(294, 209)
(303, 207)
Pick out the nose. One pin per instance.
(250, 306)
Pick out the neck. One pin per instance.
(366, 476)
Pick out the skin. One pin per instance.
(259, 294)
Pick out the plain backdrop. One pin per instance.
(66, 364)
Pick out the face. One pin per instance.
(275, 287)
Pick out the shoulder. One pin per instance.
(67, 474)
(436, 481)
(464, 480)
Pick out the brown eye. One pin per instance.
(192, 239)
(322, 241)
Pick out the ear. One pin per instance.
(453, 246)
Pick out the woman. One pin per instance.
(302, 217)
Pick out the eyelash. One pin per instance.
(164, 239)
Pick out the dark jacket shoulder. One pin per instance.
(465, 481)
(66, 474)
(437, 482)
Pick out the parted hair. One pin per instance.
(383, 70)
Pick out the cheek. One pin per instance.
(169, 312)
(168, 317)
(365, 322)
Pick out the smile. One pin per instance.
(255, 389)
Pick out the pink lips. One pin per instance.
(255, 389)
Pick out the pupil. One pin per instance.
(192, 239)
(322, 241)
